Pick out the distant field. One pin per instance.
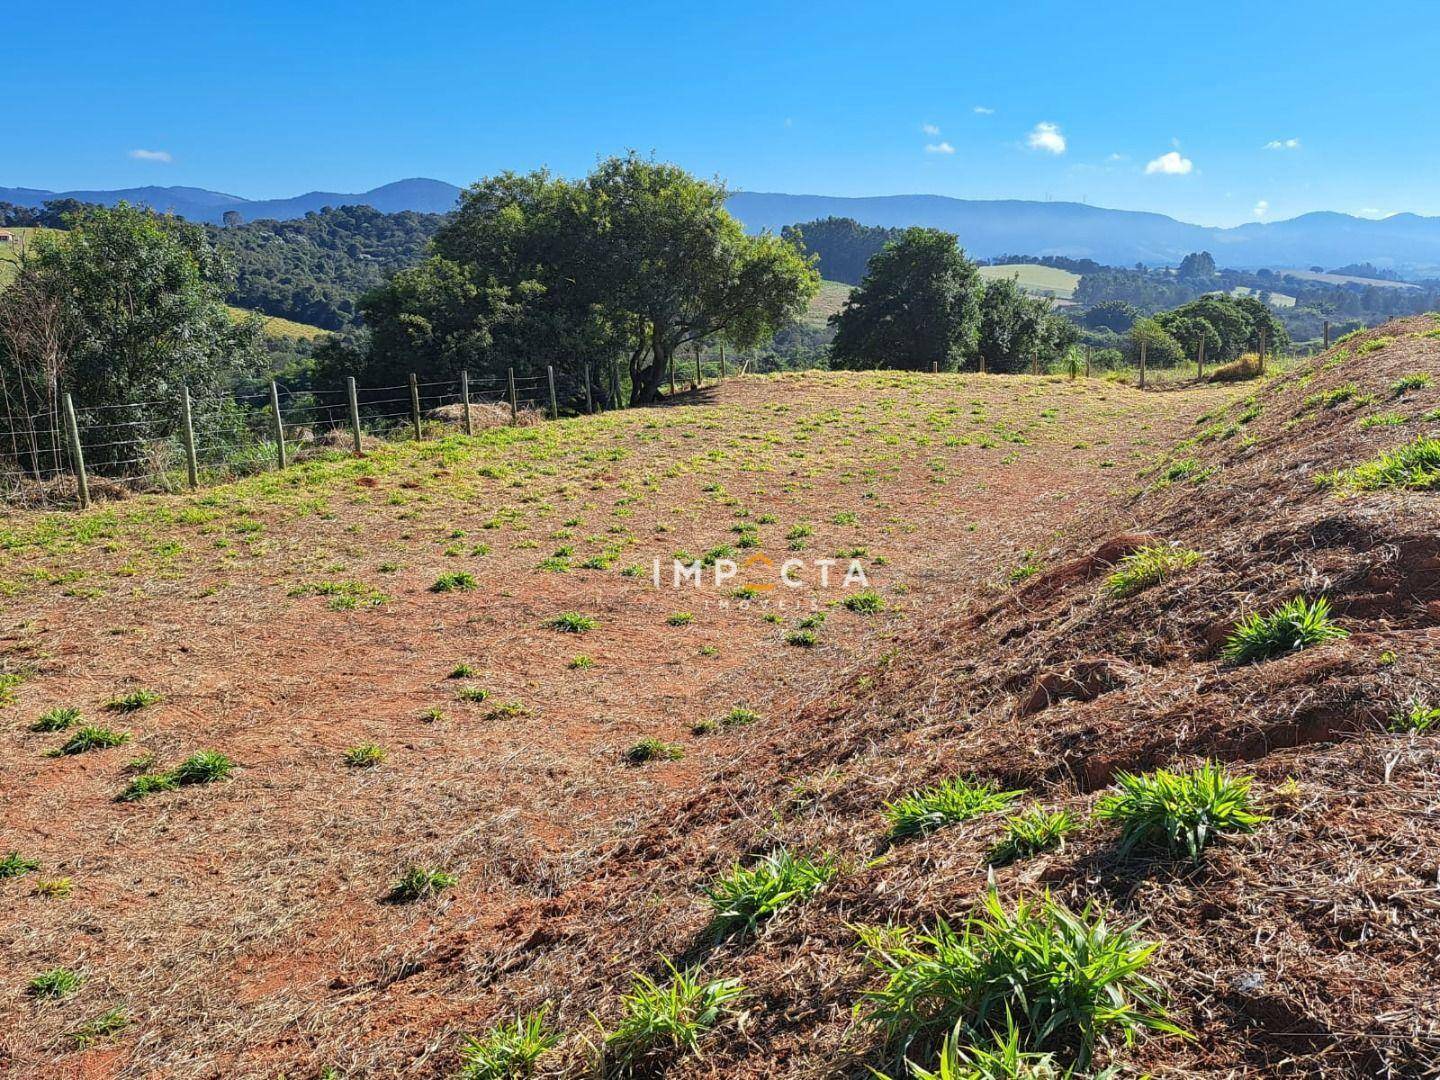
(828, 301)
(1040, 280)
(1344, 279)
(10, 253)
(276, 327)
(1278, 300)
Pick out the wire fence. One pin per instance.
(70, 453)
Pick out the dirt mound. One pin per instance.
(1311, 947)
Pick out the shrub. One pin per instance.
(55, 983)
(1294, 625)
(456, 581)
(747, 896)
(580, 662)
(133, 701)
(16, 865)
(865, 602)
(92, 738)
(651, 749)
(572, 622)
(1412, 467)
(1031, 832)
(1064, 979)
(56, 720)
(1148, 566)
(507, 1051)
(420, 883)
(948, 803)
(1417, 716)
(663, 1022)
(365, 756)
(1175, 812)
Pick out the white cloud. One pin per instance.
(152, 155)
(1171, 164)
(939, 148)
(1262, 208)
(1371, 212)
(1283, 144)
(1046, 136)
(930, 129)
(981, 110)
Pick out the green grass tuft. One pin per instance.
(947, 803)
(1031, 832)
(56, 720)
(420, 883)
(1066, 980)
(16, 865)
(133, 701)
(1148, 566)
(1179, 812)
(572, 622)
(92, 738)
(651, 749)
(1417, 716)
(55, 983)
(748, 895)
(1295, 625)
(455, 581)
(865, 602)
(507, 1051)
(662, 1022)
(365, 756)
(1412, 467)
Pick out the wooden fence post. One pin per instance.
(415, 405)
(722, 361)
(514, 401)
(589, 400)
(1142, 365)
(697, 365)
(554, 405)
(465, 402)
(82, 483)
(1327, 333)
(1262, 352)
(672, 374)
(1035, 362)
(934, 367)
(354, 411)
(1200, 361)
(982, 363)
(619, 386)
(279, 425)
(1087, 361)
(187, 432)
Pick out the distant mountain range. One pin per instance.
(1406, 243)
(197, 204)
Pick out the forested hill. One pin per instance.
(313, 269)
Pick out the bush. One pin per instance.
(1417, 716)
(1064, 979)
(1148, 566)
(747, 896)
(507, 1051)
(1175, 812)
(948, 803)
(1295, 625)
(661, 1023)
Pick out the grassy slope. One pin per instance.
(261, 904)
(828, 301)
(1345, 279)
(10, 253)
(276, 327)
(1040, 280)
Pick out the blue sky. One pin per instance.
(1218, 113)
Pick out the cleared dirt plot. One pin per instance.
(398, 749)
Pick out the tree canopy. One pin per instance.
(631, 262)
(918, 305)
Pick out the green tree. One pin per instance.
(1016, 328)
(631, 263)
(919, 304)
(123, 307)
